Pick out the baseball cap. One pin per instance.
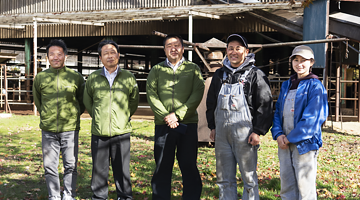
(303, 51)
(238, 38)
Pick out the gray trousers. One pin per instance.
(298, 174)
(117, 150)
(52, 144)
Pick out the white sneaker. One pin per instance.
(54, 198)
(67, 196)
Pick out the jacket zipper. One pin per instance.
(173, 94)
(57, 104)
(109, 102)
(111, 90)
(109, 110)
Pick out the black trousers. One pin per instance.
(167, 141)
(116, 149)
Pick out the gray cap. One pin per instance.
(303, 51)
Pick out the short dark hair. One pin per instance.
(105, 42)
(58, 43)
(173, 36)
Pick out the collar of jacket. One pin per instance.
(103, 71)
(249, 60)
(231, 72)
(184, 62)
(63, 69)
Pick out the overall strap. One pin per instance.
(225, 77)
(242, 78)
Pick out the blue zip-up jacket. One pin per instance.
(311, 111)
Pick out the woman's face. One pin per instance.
(302, 66)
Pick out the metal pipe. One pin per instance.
(303, 42)
(35, 57)
(337, 95)
(190, 35)
(351, 47)
(222, 1)
(148, 47)
(329, 90)
(358, 101)
(1, 87)
(7, 107)
(257, 50)
(202, 58)
(201, 46)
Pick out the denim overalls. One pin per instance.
(233, 127)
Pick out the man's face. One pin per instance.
(56, 57)
(109, 56)
(173, 50)
(236, 53)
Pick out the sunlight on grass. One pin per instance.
(22, 173)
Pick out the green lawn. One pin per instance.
(22, 174)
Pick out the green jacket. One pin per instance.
(58, 96)
(180, 91)
(111, 108)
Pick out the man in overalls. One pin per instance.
(239, 110)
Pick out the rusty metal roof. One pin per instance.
(142, 14)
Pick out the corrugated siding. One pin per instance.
(203, 26)
(50, 6)
(45, 6)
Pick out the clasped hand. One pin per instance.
(171, 120)
(283, 142)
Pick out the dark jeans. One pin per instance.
(116, 149)
(167, 141)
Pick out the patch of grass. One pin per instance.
(22, 173)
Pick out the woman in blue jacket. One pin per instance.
(301, 110)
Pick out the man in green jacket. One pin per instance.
(174, 90)
(111, 97)
(58, 96)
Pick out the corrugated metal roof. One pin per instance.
(110, 14)
(44, 6)
(13, 7)
(201, 26)
(135, 17)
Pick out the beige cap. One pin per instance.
(303, 51)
